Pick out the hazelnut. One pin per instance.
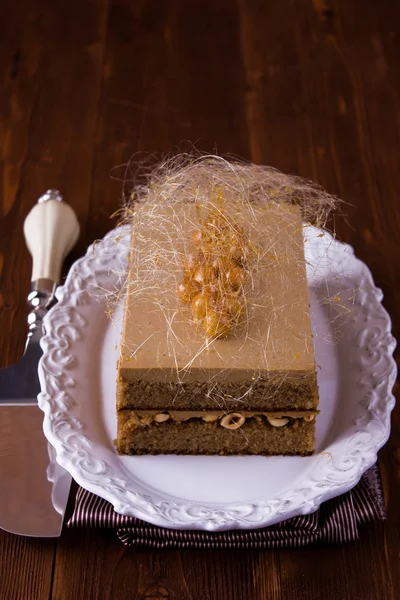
(210, 418)
(232, 421)
(217, 324)
(235, 277)
(275, 422)
(161, 417)
(309, 418)
(199, 275)
(200, 305)
(204, 274)
(186, 290)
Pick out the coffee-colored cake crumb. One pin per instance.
(200, 437)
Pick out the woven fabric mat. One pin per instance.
(336, 521)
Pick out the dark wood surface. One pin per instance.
(309, 86)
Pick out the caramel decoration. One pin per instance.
(216, 274)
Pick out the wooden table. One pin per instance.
(309, 86)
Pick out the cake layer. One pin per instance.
(166, 360)
(276, 392)
(256, 435)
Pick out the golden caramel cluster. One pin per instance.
(216, 274)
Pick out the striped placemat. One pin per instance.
(336, 521)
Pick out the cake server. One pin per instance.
(33, 487)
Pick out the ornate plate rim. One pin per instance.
(73, 448)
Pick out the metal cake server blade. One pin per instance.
(34, 488)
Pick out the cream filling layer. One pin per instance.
(229, 420)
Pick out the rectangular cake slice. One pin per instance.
(183, 390)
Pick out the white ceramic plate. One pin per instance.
(356, 372)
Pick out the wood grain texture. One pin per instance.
(48, 129)
(109, 570)
(309, 86)
(26, 567)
